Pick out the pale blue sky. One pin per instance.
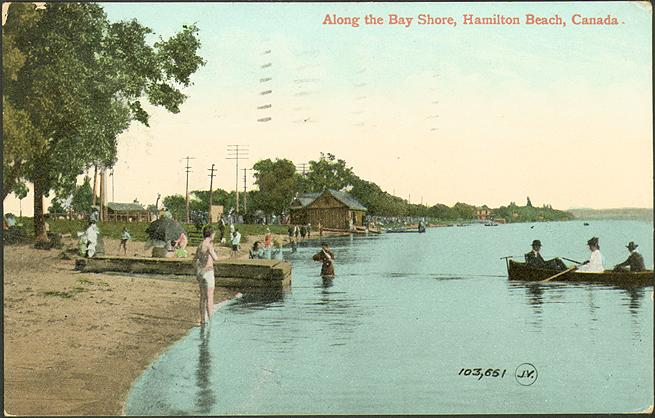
(480, 114)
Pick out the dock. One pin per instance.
(228, 273)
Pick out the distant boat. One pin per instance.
(586, 224)
(492, 223)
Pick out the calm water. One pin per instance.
(406, 312)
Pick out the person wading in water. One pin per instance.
(326, 256)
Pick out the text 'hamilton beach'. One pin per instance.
(528, 19)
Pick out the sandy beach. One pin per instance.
(75, 342)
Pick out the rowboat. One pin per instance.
(391, 231)
(521, 271)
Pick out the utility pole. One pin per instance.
(95, 184)
(301, 167)
(103, 195)
(186, 201)
(245, 190)
(211, 185)
(237, 152)
(113, 197)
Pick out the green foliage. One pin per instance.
(83, 197)
(176, 204)
(21, 190)
(278, 183)
(200, 199)
(77, 81)
(56, 206)
(327, 173)
(513, 213)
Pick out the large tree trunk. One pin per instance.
(39, 219)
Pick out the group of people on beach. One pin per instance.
(634, 262)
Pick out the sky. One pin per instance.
(435, 114)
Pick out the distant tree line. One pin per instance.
(279, 183)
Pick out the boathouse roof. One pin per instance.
(125, 207)
(347, 199)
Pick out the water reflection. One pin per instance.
(259, 299)
(205, 397)
(327, 283)
(635, 295)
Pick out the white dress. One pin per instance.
(595, 264)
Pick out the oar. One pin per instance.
(572, 261)
(559, 274)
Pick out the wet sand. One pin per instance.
(75, 342)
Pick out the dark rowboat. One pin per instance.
(521, 271)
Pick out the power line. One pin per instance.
(186, 194)
(211, 185)
(245, 190)
(237, 152)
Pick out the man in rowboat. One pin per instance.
(595, 262)
(635, 261)
(534, 259)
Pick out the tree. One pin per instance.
(328, 173)
(278, 184)
(176, 204)
(83, 197)
(21, 190)
(81, 83)
(528, 204)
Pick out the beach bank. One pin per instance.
(74, 343)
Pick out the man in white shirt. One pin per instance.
(236, 240)
(595, 262)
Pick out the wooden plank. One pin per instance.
(239, 273)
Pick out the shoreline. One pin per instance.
(88, 337)
(217, 306)
(91, 335)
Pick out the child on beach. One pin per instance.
(125, 236)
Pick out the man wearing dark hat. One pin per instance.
(595, 262)
(326, 256)
(635, 261)
(534, 259)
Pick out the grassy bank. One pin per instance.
(137, 229)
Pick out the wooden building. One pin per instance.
(127, 212)
(331, 209)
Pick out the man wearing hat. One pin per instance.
(326, 256)
(595, 262)
(635, 261)
(534, 259)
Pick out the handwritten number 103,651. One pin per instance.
(480, 373)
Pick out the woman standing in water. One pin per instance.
(205, 257)
(326, 256)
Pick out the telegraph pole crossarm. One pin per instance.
(237, 152)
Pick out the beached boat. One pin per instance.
(521, 271)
